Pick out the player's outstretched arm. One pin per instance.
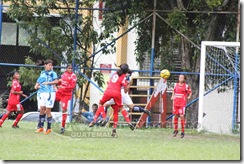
(37, 86)
(51, 83)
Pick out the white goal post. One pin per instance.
(225, 61)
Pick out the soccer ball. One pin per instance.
(165, 74)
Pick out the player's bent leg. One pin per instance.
(182, 126)
(64, 118)
(4, 118)
(140, 109)
(41, 120)
(49, 121)
(64, 103)
(19, 116)
(99, 111)
(125, 115)
(175, 125)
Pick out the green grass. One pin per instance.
(142, 144)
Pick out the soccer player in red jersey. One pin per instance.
(113, 90)
(64, 93)
(181, 93)
(13, 101)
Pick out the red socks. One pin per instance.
(3, 119)
(99, 111)
(116, 117)
(183, 125)
(19, 116)
(64, 117)
(175, 123)
(126, 115)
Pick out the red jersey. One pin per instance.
(14, 98)
(68, 82)
(180, 94)
(116, 82)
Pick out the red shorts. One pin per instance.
(15, 107)
(179, 110)
(63, 98)
(110, 94)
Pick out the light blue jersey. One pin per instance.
(47, 76)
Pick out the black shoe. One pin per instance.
(99, 121)
(17, 126)
(147, 112)
(175, 133)
(132, 127)
(91, 124)
(104, 122)
(182, 134)
(62, 131)
(113, 133)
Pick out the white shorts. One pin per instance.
(126, 100)
(46, 99)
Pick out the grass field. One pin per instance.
(83, 143)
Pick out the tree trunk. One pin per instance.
(185, 51)
(193, 80)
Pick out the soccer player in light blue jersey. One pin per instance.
(46, 95)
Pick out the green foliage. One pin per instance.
(29, 75)
(59, 36)
(178, 20)
(99, 78)
(214, 3)
(48, 34)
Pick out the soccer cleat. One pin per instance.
(62, 130)
(175, 133)
(131, 126)
(99, 121)
(182, 134)
(47, 131)
(39, 130)
(104, 122)
(91, 124)
(113, 133)
(147, 112)
(15, 126)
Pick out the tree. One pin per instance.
(196, 27)
(53, 37)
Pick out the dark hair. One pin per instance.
(184, 77)
(95, 105)
(68, 65)
(130, 72)
(48, 61)
(124, 68)
(11, 74)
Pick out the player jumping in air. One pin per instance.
(113, 90)
(181, 93)
(13, 101)
(46, 95)
(126, 100)
(65, 88)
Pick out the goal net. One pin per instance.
(219, 92)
